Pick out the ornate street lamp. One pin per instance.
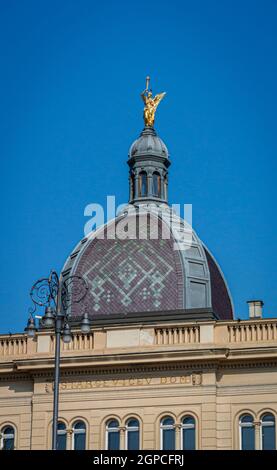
(57, 296)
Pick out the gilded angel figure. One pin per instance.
(150, 104)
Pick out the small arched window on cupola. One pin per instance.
(156, 184)
(132, 186)
(165, 183)
(142, 184)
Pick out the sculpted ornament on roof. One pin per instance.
(151, 103)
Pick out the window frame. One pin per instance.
(188, 426)
(244, 425)
(79, 420)
(107, 431)
(132, 186)
(167, 427)
(3, 437)
(142, 175)
(266, 425)
(61, 432)
(133, 430)
(157, 176)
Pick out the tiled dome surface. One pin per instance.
(130, 275)
(146, 273)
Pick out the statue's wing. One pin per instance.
(158, 98)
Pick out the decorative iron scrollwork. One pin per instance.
(73, 290)
(40, 294)
(49, 291)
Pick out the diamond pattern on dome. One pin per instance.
(130, 276)
(139, 266)
(127, 273)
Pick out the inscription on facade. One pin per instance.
(187, 379)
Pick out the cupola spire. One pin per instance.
(148, 157)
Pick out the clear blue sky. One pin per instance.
(71, 76)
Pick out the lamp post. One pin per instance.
(57, 296)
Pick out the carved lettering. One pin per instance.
(187, 379)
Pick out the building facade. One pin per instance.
(166, 365)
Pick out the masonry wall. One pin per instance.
(214, 371)
(216, 398)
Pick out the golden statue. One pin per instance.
(150, 103)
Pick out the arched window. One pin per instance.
(61, 436)
(7, 438)
(188, 433)
(167, 429)
(165, 187)
(132, 434)
(247, 432)
(268, 438)
(156, 184)
(132, 186)
(79, 435)
(142, 184)
(112, 435)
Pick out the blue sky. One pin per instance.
(71, 76)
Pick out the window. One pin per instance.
(268, 437)
(7, 438)
(165, 187)
(61, 436)
(112, 435)
(188, 433)
(132, 434)
(167, 429)
(132, 187)
(156, 184)
(142, 184)
(247, 433)
(79, 435)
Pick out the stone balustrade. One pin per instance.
(252, 331)
(13, 345)
(80, 342)
(231, 334)
(177, 335)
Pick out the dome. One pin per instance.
(148, 261)
(148, 144)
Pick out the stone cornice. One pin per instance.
(28, 370)
(145, 357)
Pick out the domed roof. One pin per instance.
(147, 261)
(148, 144)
